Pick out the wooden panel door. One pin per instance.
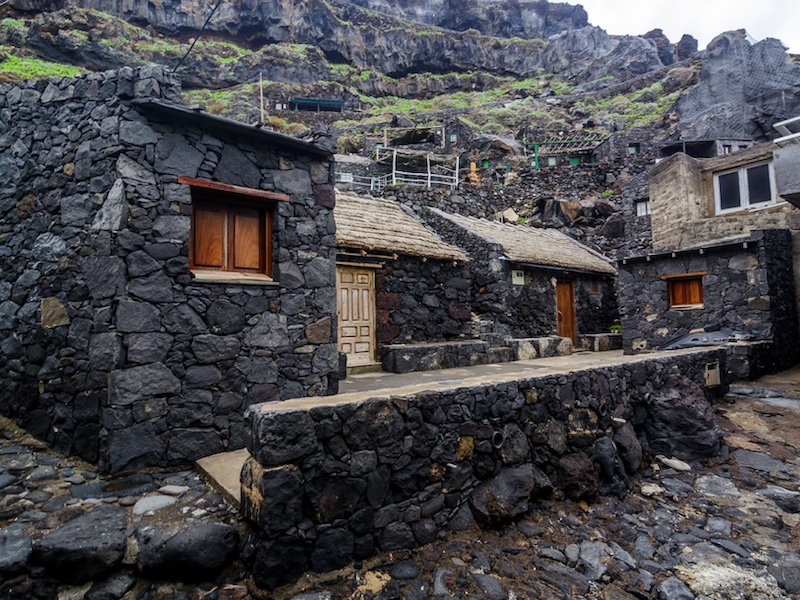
(565, 309)
(355, 293)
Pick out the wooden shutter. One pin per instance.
(686, 292)
(208, 237)
(247, 239)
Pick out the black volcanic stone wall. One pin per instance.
(749, 289)
(327, 485)
(517, 310)
(421, 301)
(110, 349)
(778, 253)
(595, 313)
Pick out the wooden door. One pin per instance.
(565, 309)
(355, 293)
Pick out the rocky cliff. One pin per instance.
(411, 49)
(535, 19)
(743, 90)
(366, 39)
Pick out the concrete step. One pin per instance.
(222, 472)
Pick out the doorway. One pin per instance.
(355, 305)
(565, 309)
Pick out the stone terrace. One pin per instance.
(337, 479)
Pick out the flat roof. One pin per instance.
(200, 117)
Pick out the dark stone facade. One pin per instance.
(390, 473)
(524, 311)
(521, 311)
(110, 348)
(595, 307)
(747, 287)
(421, 301)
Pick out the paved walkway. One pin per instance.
(372, 385)
(223, 469)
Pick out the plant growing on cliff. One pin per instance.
(17, 68)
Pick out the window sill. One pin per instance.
(687, 307)
(232, 278)
(753, 208)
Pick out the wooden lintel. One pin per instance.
(233, 189)
(684, 275)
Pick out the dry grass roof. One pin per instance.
(366, 223)
(534, 246)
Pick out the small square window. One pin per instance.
(231, 230)
(552, 161)
(344, 177)
(685, 291)
(642, 208)
(634, 148)
(594, 287)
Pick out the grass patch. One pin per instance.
(16, 68)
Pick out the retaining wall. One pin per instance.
(339, 480)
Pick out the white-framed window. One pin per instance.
(752, 186)
(552, 161)
(344, 177)
(642, 207)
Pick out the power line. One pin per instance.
(197, 37)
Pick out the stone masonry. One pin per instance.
(327, 484)
(748, 287)
(110, 348)
(419, 301)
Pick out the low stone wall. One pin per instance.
(600, 342)
(329, 483)
(405, 358)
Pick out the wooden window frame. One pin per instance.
(232, 201)
(594, 286)
(676, 291)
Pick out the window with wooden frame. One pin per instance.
(231, 231)
(594, 287)
(685, 290)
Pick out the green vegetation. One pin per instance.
(222, 52)
(17, 68)
(561, 88)
(9, 23)
(642, 108)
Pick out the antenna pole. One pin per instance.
(261, 87)
(202, 29)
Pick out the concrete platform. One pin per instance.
(222, 470)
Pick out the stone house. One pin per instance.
(161, 269)
(725, 253)
(532, 282)
(397, 282)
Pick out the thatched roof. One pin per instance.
(534, 246)
(365, 223)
